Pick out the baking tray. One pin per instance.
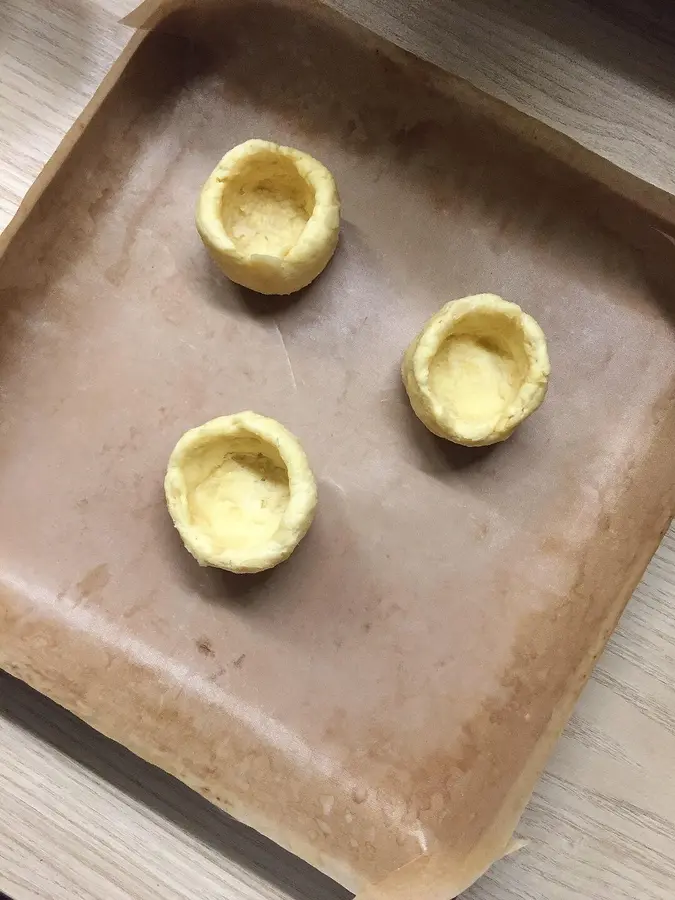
(382, 703)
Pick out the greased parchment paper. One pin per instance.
(382, 703)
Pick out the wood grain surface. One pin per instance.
(80, 816)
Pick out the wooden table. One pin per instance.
(82, 818)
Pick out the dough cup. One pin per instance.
(270, 217)
(240, 492)
(479, 367)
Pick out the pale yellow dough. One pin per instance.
(479, 367)
(269, 216)
(240, 492)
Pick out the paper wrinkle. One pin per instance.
(287, 355)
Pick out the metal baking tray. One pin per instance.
(382, 703)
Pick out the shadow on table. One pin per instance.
(163, 794)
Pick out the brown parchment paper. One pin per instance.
(382, 703)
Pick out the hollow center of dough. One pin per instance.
(237, 493)
(479, 368)
(266, 205)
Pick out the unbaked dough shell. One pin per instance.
(298, 513)
(437, 415)
(298, 265)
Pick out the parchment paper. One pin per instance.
(382, 703)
